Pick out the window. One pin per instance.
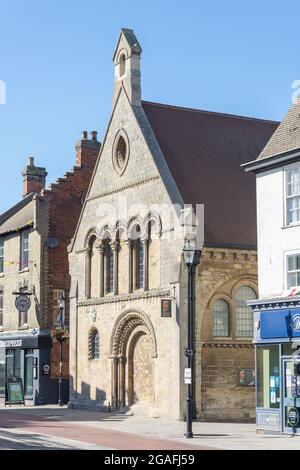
(13, 363)
(267, 371)
(140, 264)
(94, 344)
(28, 372)
(110, 271)
(24, 249)
(1, 255)
(221, 318)
(1, 306)
(293, 196)
(243, 313)
(293, 270)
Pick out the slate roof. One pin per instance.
(19, 216)
(287, 135)
(204, 152)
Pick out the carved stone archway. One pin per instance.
(132, 328)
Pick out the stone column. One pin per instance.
(115, 384)
(130, 262)
(122, 366)
(101, 274)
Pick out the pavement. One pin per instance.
(53, 427)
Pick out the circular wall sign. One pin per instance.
(23, 303)
(293, 417)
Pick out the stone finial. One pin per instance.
(127, 66)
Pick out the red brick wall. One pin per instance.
(65, 204)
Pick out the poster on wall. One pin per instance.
(245, 377)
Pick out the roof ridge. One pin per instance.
(204, 111)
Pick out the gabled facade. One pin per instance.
(34, 235)
(128, 299)
(277, 311)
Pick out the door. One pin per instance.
(291, 396)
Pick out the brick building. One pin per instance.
(126, 258)
(34, 236)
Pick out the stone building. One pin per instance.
(127, 347)
(34, 235)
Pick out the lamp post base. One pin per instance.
(189, 435)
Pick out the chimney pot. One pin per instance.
(30, 161)
(93, 135)
(84, 135)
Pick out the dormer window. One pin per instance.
(122, 65)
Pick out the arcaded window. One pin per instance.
(109, 268)
(94, 269)
(221, 318)
(94, 344)
(243, 313)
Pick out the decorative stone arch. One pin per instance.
(247, 281)
(120, 225)
(152, 217)
(92, 233)
(125, 324)
(131, 224)
(131, 325)
(105, 229)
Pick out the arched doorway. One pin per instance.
(133, 349)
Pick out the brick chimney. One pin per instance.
(34, 178)
(87, 149)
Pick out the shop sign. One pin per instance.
(46, 369)
(293, 417)
(11, 343)
(187, 375)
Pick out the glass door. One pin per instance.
(291, 396)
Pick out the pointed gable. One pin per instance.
(287, 135)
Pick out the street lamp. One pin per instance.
(61, 305)
(191, 259)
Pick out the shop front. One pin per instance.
(28, 357)
(277, 345)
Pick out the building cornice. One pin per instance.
(274, 161)
(125, 297)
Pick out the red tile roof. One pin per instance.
(204, 152)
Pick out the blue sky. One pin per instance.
(56, 61)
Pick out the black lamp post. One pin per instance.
(191, 259)
(61, 320)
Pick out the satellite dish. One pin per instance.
(52, 242)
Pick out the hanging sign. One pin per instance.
(23, 303)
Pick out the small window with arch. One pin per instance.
(94, 344)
